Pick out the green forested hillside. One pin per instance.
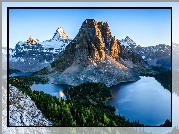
(165, 79)
(85, 106)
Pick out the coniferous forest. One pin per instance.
(161, 74)
(85, 106)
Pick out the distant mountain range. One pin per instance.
(159, 55)
(95, 55)
(93, 47)
(32, 55)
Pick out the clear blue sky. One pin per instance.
(116, 31)
(145, 26)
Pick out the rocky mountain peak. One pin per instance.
(92, 44)
(88, 22)
(94, 41)
(93, 55)
(94, 27)
(131, 41)
(32, 40)
(60, 34)
(128, 42)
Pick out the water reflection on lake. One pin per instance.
(175, 117)
(52, 89)
(145, 100)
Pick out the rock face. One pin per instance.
(94, 55)
(159, 55)
(32, 40)
(23, 111)
(94, 40)
(92, 43)
(32, 55)
(60, 34)
(18, 130)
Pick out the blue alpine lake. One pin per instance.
(175, 118)
(52, 89)
(144, 100)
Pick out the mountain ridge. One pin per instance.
(94, 55)
(159, 55)
(33, 55)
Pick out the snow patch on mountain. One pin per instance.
(128, 42)
(33, 55)
(60, 33)
(55, 44)
(159, 55)
(32, 40)
(59, 41)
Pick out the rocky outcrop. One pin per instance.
(32, 40)
(16, 130)
(23, 111)
(92, 43)
(129, 55)
(94, 55)
(60, 34)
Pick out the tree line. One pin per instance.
(161, 74)
(85, 106)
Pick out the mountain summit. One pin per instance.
(92, 44)
(60, 34)
(128, 42)
(59, 40)
(32, 40)
(33, 55)
(93, 55)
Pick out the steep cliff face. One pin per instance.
(92, 43)
(93, 55)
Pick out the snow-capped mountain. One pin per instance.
(128, 42)
(159, 55)
(32, 40)
(33, 55)
(60, 34)
(59, 41)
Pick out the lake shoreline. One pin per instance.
(109, 99)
